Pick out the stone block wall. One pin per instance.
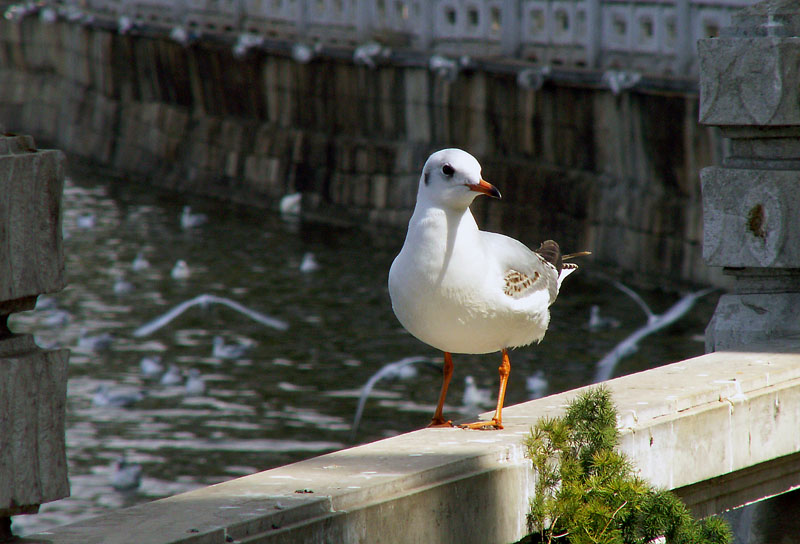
(33, 382)
(615, 174)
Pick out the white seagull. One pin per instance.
(191, 220)
(464, 290)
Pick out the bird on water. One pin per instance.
(464, 290)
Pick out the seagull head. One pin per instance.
(451, 178)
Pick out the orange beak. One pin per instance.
(486, 188)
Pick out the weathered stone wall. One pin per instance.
(33, 382)
(616, 174)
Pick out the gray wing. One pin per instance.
(524, 271)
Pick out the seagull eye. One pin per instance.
(448, 170)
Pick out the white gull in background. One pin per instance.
(86, 221)
(309, 263)
(536, 384)
(463, 290)
(221, 350)
(104, 396)
(126, 476)
(140, 263)
(151, 366)
(56, 318)
(172, 376)
(191, 220)
(290, 205)
(475, 396)
(180, 271)
(122, 286)
(598, 322)
(95, 342)
(195, 384)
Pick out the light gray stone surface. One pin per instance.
(31, 252)
(33, 397)
(743, 319)
(33, 383)
(744, 81)
(750, 87)
(751, 217)
(749, 75)
(723, 414)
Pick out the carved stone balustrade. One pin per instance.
(750, 88)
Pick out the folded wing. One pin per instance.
(525, 272)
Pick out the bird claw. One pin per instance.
(492, 425)
(440, 423)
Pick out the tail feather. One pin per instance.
(551, 253)
(568, 269)
(570, 256)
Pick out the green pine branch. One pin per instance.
(586, 492)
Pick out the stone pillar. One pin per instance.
(33, 382)
(750, 88)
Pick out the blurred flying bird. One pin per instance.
(393, 369)
(605, 366)
(205, 300)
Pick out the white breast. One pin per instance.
(447, 290)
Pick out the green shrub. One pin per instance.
(586, 492)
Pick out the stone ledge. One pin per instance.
(31, 252)
(33, 398)
(681, 425)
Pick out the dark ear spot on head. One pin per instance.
(426, 177)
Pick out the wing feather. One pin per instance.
(524, 271)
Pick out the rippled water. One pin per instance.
(295, 392)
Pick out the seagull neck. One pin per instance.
(436, 217)
(437, 231)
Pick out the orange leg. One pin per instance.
(438, 419)
(497, 420)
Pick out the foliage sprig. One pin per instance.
(587, 492)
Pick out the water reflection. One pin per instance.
(294, 392)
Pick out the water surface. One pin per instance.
(295, 392)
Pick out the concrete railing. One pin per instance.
(719, 429)
(650, 36)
